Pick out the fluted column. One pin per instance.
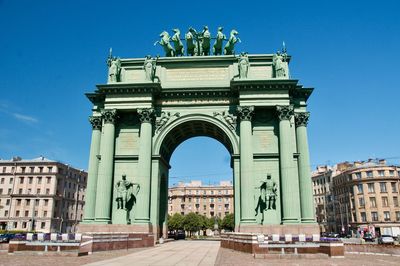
(245, 114)
(106, 168)
(93, 168)
(146, 117)
(289, 182)
(306, 197)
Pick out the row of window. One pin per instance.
(205, 214)
(374, 216)
(382, 186)
(370, 174)
(24, 169)
(25, 224)
(204, 200)
(372, 202)
(210, 192)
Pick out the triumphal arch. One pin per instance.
(150, 105)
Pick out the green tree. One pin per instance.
(228, 223)
(192, 223)
(175, 222)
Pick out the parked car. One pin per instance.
(385, 239)
(369, 238)
(180, 234)
(5, 238)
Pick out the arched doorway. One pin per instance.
(182, 129)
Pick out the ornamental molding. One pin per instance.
(109, 116)
(146, 115)
(245, 112)
(163, 120)
(301, 119)
(285, 112)
(229, 119)
(95, 121)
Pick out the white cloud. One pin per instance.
(25, 118)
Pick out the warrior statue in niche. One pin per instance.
(125, 193)
(149, 67)
(268, 195)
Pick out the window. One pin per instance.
(47, 191)
(8, 202)
(369, 173)
(43, 225)
(20, 191)
(23, 169)
(5, 213)
(46, 202)
(391, 172)
(212, 192)
(50, 169)
(394, 186)
(386, 216)
(30, 180)
(39, 180)
(38, 191)
(372, 202)
(4, 169)
(212, 200)
(190, 199)
(26, 213)
(9, 191)
(197, 192)
(395, 201)
(29, 191)
(17, 213)
(374, 216)
(2, 180)
(11, 181)
(360, 188)
(204, 207)
(48, 180)
(21, 180)
(397, 216)
(361, 201)
(219, 192)
(381, 173)
(28, 202)
(18, 202)
(40, 169)
(363, 217)
(23, 224)
(1, 191)
(219, 199)
(371, 188)
(385, 202)
(44, 213)
(383, 186)
(37, 202)
(32, 169)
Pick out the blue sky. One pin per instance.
(52, 52)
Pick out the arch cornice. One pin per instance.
(231, 136)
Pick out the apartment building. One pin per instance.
(364, 197)
(208, 200)
(41, 195)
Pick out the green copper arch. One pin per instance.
(211, 127)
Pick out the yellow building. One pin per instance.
(211, 200)
(41, 195)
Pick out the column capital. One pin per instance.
(109, 116)
(245, 112)
(95, 121)
(302, 119)
(285, 112)
(146, 115)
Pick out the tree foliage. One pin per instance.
(192, 222)
(228, 223)
(176, 222)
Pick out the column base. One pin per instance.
(87, 221)
(290, 221)
(308, 221)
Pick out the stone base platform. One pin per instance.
(262, 246)
(103, 237)
(293, 229)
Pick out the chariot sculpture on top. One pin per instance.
(198, 43)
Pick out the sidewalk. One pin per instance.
(172, 253)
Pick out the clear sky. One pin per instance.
(52, 52)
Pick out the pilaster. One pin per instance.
(93, 168)
(146, 117)
(245, 114)
(106, 168)
(306, 197)
(289, 182)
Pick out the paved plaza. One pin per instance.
(185, 253)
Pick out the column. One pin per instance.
(106, 167)
(146, 117)
(306, 196)
(289, 184)
(92, 169)
(245, 114)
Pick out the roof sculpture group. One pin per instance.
(198, 43)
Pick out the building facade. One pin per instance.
(364, 198)
(321, 180)
(211, 200)
(41, 195)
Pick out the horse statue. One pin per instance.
(164, 42)
(191, 43)
(205, 41)
(178, 45)
(217, 48)
(230, 45)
